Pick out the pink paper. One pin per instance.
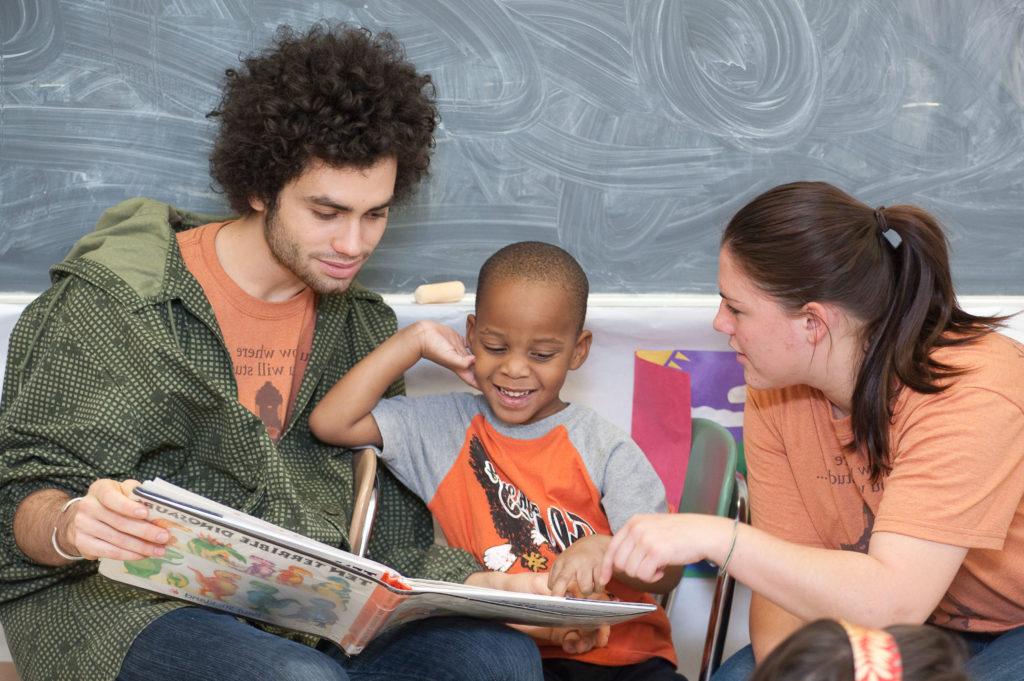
(661, 422)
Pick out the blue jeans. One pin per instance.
(739, 667)
(992, 658)
(196, 644)
(995, 658)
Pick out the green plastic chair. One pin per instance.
(712, 487)
(710, 469)
(710, 478)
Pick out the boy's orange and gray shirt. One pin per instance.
(120, 371)
(517, 496)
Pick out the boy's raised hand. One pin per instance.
(444, 345)
(577, 570)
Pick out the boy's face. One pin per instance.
(525, 340)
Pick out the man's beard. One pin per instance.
(289, 255)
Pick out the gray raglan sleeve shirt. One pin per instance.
(422, 437)
(618, 467)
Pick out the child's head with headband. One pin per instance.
(876, 657)
(826, 650)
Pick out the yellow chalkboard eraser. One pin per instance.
(443, 292)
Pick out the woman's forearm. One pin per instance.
(901, 581)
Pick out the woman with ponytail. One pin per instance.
(884, 434)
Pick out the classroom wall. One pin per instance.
(628, 131)
(621, 324)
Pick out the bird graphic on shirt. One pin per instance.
(518, 531)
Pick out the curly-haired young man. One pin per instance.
(173, 346)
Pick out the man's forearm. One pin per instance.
(34, 520)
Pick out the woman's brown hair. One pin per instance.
(889, 267)
(820, 651)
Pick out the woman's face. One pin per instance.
(771, 344)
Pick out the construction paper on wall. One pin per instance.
(661, 419)
(717, 389)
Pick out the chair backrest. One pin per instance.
(710, 482)
(364, 479)
(712, 487)
(710, 472)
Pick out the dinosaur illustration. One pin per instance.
(176, 579)
(862, 544)
(268, 402)
(215, 550)
(220, 585)
(263, 597)
(320, 611)
(293, 575)
(260, 567)
(148, 567)
(336, 588)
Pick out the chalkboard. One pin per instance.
(628, 131)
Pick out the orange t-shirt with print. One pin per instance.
(269, 342)
(957, 477)
(480, 479)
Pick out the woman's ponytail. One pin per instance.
(809, 241)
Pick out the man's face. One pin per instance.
(327, 221)
(525, 338)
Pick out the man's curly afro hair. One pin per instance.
(334, 93)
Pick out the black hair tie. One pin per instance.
(891, 235)
(880, 219)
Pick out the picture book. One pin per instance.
(225, 559)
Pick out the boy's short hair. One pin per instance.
(334, 93)
(536, 261)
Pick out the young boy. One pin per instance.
(522, 480)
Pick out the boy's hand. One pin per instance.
(523, 582)
(577, 570)
(444, 346)
(579, 641)
(573, 641)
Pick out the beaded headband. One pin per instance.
(876, 657)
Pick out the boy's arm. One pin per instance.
(579, 568)
(573, 640)
(343, 416)
(628, 485)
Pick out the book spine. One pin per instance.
(371, 618)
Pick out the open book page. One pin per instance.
(222, 558)
(158, 489)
